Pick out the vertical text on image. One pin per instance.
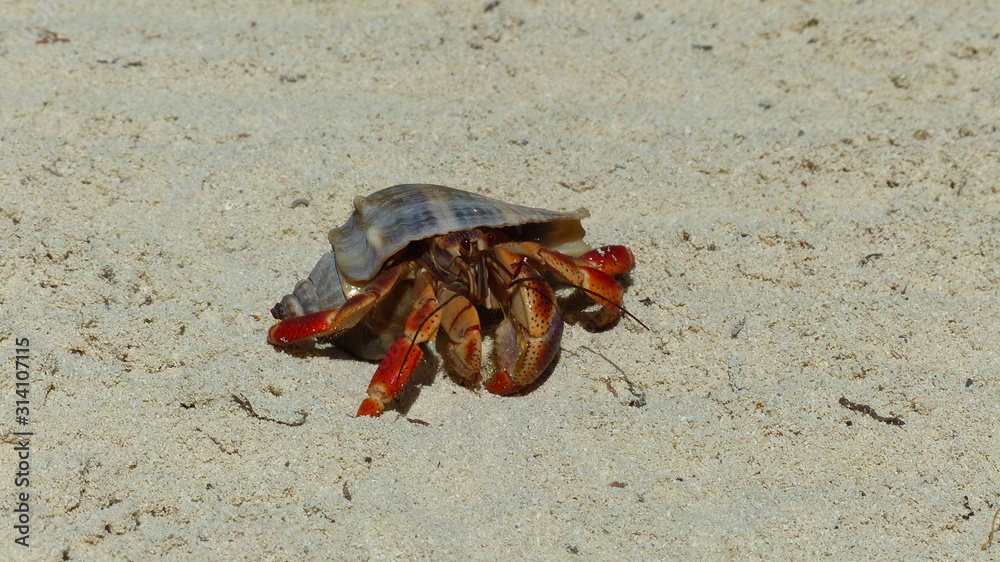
(22, 447)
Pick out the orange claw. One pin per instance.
(528, 339)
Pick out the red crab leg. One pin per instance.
(464, 349)
(332, 322)
(404, 355)
(527, 340)
(613, 260)
(593, 271)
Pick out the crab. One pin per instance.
(416, 259)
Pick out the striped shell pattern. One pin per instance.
(386, 221)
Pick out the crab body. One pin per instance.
(416, 259)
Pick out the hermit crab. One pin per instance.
(416, 258)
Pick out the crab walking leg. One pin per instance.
(464, 349)
(333, 322)
(404, 355)
(528, 339)
(593, 271)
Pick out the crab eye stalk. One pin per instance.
(466, 245)
(491, 239)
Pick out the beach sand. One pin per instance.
(810, 190)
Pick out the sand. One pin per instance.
(810, 189)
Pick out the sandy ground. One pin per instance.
(810, 189)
